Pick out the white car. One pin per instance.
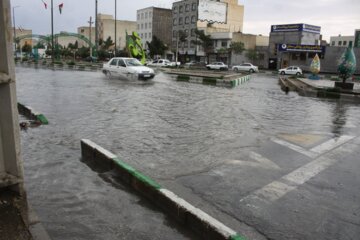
(245, 67)
(129, 68)
(217, 66)
(163, 63)
(292, 70)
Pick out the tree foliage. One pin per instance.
(237, 47)
(156, 47)
(26, 48)
(204, 41)
(252, 54)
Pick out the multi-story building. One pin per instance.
(211, 16)
(154, 21)
(87, 32)
(342, 41)
(19, 33)
(294, 44)
(106, 28)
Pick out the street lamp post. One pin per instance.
(115, 27)
(14, 27)
(52, 33)
(96, 28)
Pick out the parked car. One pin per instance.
(292, 70)
(163, 63)
(90, 59)
(129, 68)
(245, 67)
(217, 66)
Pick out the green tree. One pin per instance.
(237, 47)
(107, 43)
(156, 47)
(26, 48)
(252, 54)
(204, 41)
(39, 45)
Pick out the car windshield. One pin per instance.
(132, 62)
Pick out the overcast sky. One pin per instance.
(334, 16)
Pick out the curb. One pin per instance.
(186, 214)
(30, 113)
(211, 80)
(93, 68)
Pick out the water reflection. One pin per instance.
(339, 118)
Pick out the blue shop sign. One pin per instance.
(301, 48)
(300, 27)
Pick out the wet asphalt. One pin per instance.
(269, 165)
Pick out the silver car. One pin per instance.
(245, 67)
(292, 70)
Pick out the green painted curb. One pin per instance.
(237, 237)
(42, 119)
(137, 174)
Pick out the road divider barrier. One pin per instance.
(186, 214)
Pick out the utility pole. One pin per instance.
(14, 27)
(52, 33)
(177, 47)
(96, 28)
(90, 23)
(115, 27)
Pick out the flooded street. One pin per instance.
(171, 131)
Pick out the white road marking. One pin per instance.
(294, 147)
(260, 161)
(331, 144)
(277, 189)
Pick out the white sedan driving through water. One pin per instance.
(129, 68)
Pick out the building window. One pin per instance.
(339, 43)
(180, 21)
(174, 9)
(82, 30)
(146, 15)
(187, 7)
(303, 56)
(174, 21)
(192, 32)
(192, 45)
(150, 35)
(141, 35)
(145, 35)
(350, 43)
(187, 32)
(145, 25)
(187, 20)
(224, 43)
(138, 16)
(150, 14)
(194, 6)
(333, 43)
(174, 34)
(142, 15)
(181, 9)
(150, 25)
(193, 19)
(138, 26)
(142, 26)
(344, 43)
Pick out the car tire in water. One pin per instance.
(251, 71)
(208, 68)
(282, 73)
(236, 69)
(298, 74)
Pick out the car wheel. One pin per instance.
(298, 74)
(209, 68)
(236, 69)
(282, 73)
(251, 71)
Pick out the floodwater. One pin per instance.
(164, 128)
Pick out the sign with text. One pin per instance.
(301, 48)
(301, 27)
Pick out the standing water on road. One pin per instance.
(166, 129)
